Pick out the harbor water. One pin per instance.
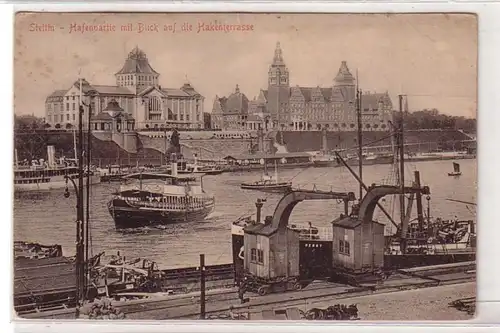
(49, 218)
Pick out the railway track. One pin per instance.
(218, 300)
(184, 308)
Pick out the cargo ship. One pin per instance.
(147, 199)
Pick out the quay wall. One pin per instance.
(148, 147)
(418, 140)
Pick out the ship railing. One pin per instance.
(174, 203)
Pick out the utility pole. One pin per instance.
(202, 286)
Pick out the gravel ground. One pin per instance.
(418, 304)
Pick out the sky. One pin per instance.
(432, 58)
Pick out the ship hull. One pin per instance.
(126, 216)
(53, 183)
(325, 164)
(279, 188)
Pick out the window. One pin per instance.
(73, 97)
(344, 247)
(74, 106)
(73, 117)
(257, 256)
(67, 106)
(67, 117)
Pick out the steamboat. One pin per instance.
(147, 199)
(47, 175)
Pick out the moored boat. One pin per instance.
(47, 175)
(159, 199)
(268, 183)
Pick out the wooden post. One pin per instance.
(202, 286)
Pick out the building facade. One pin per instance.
(297, 108)
(230, 113)
(137, 92)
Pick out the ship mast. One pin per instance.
(360, 137)
(400, 141)
(80, 252)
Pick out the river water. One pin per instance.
(48, 217)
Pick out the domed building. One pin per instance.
(138, 93)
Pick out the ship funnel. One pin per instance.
(51, 156)
(173, 165)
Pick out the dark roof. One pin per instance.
(188, 88)
(56, 96)
(349, 222)
(102, 116)
(371, 101)
(175, 92)
(260, 229)
(112, 90)
(344, 76)
(237, 102)
(113, 106)
(137, 62)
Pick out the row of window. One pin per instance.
(58, 118)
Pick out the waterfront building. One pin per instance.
(138, 92)
(230, 113)
(298, 108)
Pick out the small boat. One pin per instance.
(268, 183)
(456, 170)
(160, 199)
(325, 160)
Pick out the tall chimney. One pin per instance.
(259, 205)
(324, 142)
(260, 134)
(173, 164)
(51, 156)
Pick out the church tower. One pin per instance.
(278, 88)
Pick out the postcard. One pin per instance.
(245, 166)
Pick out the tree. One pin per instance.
(69, 126)
(47, 126)
(58, 126)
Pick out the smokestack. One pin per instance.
(259, 205)
(174, 164)
(51, 156)
(324, 141)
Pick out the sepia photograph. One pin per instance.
(245, 166)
